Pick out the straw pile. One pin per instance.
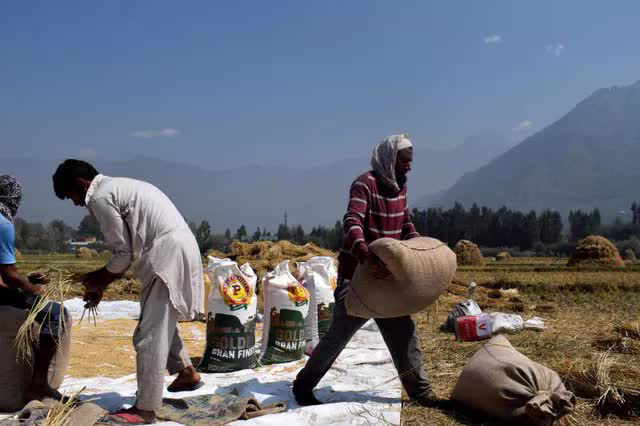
(468, 253)
(264, 256)
(27, 336)
(630, 255)
(502, 256)
(86, 253)
(596, 250)
(611, 385)
(18, 254)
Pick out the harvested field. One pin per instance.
(590, 310)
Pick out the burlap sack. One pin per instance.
(502, 383)
(16, 375)
(422, 269)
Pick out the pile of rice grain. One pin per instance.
(596, 250)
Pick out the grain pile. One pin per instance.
(468, 253)
(86, 253)
(597, 251)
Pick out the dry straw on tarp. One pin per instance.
(27, 335)
(596, 250)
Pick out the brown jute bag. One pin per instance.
(501, 382)
(16, 375)
(422, 269)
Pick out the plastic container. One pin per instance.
(471, 328)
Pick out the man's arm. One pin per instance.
(117, 237)
(354, 221)
(408, 228)
(13, 279)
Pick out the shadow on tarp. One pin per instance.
(281, 391)
(110, 401)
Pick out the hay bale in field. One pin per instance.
(18, 254)
(630, 255)
(86, 253)
(468, 253)
(502, 256)
(596, 250)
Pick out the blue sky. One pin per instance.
(223, 84)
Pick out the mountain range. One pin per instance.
(254, 195)
(588, 158)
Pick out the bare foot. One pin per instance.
(187, 379)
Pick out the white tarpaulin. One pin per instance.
(359, 388)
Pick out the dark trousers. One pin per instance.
(399, 334)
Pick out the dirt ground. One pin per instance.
(580, 305)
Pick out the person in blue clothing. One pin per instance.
(20, 292)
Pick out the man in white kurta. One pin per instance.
(145, 231)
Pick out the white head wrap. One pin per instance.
(383, 160)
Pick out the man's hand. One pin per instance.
(95, 282)
(378, 268)
(38, 278)
(361, 251)
(34, 289)
(93, 298)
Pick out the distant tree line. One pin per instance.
(484, 226)
(489, 228)
(508, 228)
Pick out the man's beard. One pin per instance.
(401, 180)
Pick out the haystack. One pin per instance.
(502, 256)
(18, 254)
(264, 256)
(86, 253)
(596, 250)
(468, 253)
(630, 255)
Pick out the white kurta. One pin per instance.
(145, 230)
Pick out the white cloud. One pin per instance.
(523, 125)
(555, 49)
(493, 39)
(160, 133)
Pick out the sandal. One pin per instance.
(181, 387)
(124, 418)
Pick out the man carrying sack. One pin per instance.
(144, 229)
(377, 209)
(20, 292)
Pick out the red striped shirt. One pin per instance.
(374, 211)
